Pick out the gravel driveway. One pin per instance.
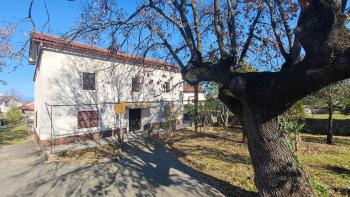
(23, 172)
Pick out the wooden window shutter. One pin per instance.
(88, 119)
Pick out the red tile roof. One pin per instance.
(28, 106)
(65, 44)
(187, 88)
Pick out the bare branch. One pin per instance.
(250, 36)
(285, 23)
(274, 28)
(180, 27)
(231, 25)
(167, 45)
(30, 15)
(190, 39)
(219, 28)
(48, 16)
(196, 25)
(343, 7)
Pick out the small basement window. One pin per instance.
(89, 81)
(88, 119)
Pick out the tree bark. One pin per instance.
(330, 126)
(277, 173)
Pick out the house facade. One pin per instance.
(8, 102)
(78, 87)
(188, 94)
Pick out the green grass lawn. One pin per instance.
(220, 154)
(13, 135)
(335, 116)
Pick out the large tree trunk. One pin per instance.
(277, 173)
(330, 126)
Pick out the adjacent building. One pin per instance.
(8, 102)
(77, 88)
(188, 94)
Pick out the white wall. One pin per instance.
(58, 82)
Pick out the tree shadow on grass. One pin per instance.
(322, 140)
(338, 170)
(343, 191)
(212, 153)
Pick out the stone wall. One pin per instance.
(319, 126)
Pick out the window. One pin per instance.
(167, 87)
(88, 119)
(136, 84)
(89, 81)
(167, 111)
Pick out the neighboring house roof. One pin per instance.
(187, 88)
(65, 44)
(6, 98)
(28, 106)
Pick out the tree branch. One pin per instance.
(196, 25)
(231, 26)
(343, 7)
(30, 17)
(167, 45)
(189, 36)
(249, 38)
(285, 23)
(169, 18)
(219, 28)
(274, 28)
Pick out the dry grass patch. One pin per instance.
(91, 155)
(215, 152)
(219, 153)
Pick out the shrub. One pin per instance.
(13, 116)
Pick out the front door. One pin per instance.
(134, 119)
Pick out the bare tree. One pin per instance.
(211, 39)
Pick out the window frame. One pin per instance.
(136, 84)
(167, 88)
(88, 85)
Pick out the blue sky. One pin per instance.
(63, 13)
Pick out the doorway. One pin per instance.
(134, 119)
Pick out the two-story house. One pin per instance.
(77, 88)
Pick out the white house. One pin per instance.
(77, 87)
(7, 102)
(188, 94)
